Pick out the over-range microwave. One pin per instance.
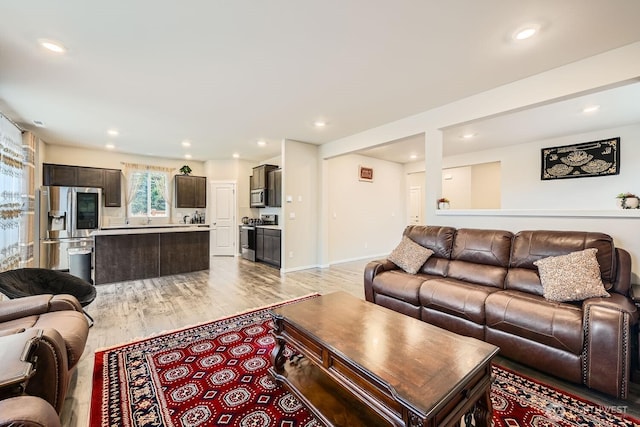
(258, 198)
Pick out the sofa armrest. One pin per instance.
(607, 350)
(622, 283)
(51, 378)
(23, 307)
(37, 304)
(634, 294)
(62, 302)
(372, 269)
(27, 411)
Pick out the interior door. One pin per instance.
(415, 205)
(223, 214)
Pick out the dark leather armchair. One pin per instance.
(62, 331)
(27, 411)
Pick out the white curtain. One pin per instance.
(133, 184)
(11, 186)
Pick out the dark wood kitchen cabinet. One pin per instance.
(259, 179)
(191, 191)
(112, 189)
(90, 177)
(82, 176)
(274, 188)
(61, 175)
(126, 257)
(183, 252)
(268, 246)
(135, 255)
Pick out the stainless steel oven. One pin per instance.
(248, 242)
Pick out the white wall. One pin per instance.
(366, 218)
(239, 172)
(485, 186)
(300, 178)
(609, 68)
(522, 187)
(456, 186)
(473, 186)
(76, 156)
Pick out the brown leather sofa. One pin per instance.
(483, 284)
(63, 331)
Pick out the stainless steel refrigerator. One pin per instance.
(68, 216)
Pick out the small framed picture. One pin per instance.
(365, 173)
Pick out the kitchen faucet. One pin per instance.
(148, 220)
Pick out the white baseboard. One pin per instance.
(342, 261)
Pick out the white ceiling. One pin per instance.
(224, 74)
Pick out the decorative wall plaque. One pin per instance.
(596, 158)
(365, 173)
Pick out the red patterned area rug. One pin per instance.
(215, 374)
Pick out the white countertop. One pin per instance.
(270, 227)
(115, 230)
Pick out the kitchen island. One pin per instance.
(133, 253)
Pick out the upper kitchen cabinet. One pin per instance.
(191, 191)
(259, 179)
(61, 175)
(90, 177)
(274, 188)
(112, 190)
(81, 176)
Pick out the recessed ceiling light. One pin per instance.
(113, 132)
(52, 46)
(236, 155)
(186, 143)
(109, 146)
(187, 156)
(591, 109)
(468, 135)
(525, 33)
(39, 123)
(413, 156)
(319, 123)
(262, 143)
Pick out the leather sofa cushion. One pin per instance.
(488, 247)
(437, 238)
(399, 285)
(554, 324)
(480, 256)
(457, 298)
(530, 246)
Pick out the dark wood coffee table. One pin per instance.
(367, 365)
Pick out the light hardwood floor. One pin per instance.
(126, 311)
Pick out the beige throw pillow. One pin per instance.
(571, 277)
(409, 255)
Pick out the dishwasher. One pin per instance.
(248, 242)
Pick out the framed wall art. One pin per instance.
(365, 173)
(595, 158)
